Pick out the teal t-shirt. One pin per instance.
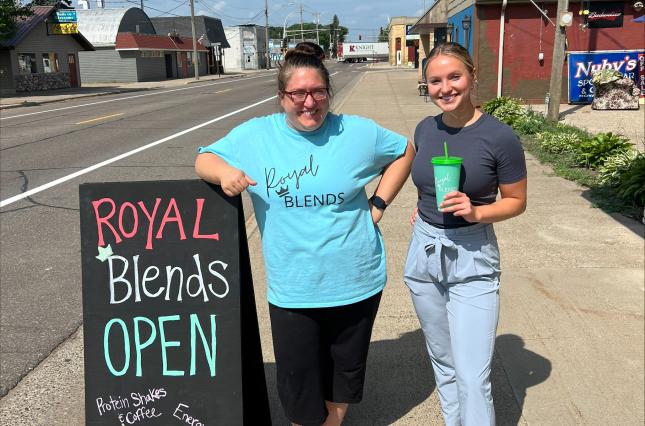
(320, 245)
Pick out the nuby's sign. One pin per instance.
(582, 65)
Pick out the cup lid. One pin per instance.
(447, 161)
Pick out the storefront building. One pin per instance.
(128, 48)
(36, 58)
(248, 48)
(519, 35)
(404, 45)
(432, 30)
(209, 32)
(526, 46)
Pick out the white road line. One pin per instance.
(131, 97)
(124, 155)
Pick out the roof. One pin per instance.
(26, 25)
(207, 26)
(402, 20)
(491, 2)
(136, 41)
(101, 26)
(435, 17)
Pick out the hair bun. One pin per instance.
(299, 51)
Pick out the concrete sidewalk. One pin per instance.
(569, 349)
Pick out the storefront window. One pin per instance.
(27, 63)
(50, 62)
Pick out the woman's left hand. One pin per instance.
(377, 214)
(459, 204)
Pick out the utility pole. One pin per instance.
(555, 85)
(266, 33)
(141, 4)
(302, 29)
(317, 14)
(192, 24)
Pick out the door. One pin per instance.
(182, 59)
(168, 66)
(73, 75)
(397, 48)
(411, 54)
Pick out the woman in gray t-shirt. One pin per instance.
(452, 268)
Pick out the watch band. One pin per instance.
(378, 202)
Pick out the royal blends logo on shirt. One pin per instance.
(291, 185)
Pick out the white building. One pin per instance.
(248, 48)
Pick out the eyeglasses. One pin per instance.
(299, 96)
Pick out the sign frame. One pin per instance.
(138, 377)
(579, 87)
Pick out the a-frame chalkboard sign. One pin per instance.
(169, 319)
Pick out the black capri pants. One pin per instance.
(320, 356)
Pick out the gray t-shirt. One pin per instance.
(492, 155)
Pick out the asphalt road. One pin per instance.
(41, 146)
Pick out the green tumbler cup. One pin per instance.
(446, 175)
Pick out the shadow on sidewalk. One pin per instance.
(571, 111)
(399, 378)
(629, 220)
(519, 370)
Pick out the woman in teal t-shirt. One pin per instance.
(306, 171)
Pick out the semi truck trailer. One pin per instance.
(362, 51)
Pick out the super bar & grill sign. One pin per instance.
(582, 65)
(170, 327)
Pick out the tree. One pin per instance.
(275, 32)
(384, 35)
(10, 12)
(337, 34)
(61, 4)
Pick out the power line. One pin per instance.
(156, 10)
(217, 13)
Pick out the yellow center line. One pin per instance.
(100, 118)
(222, 91)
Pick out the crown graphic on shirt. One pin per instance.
(282, 191)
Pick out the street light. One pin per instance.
(284, 26)
(465, 23)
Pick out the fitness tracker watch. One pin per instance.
(378, 202)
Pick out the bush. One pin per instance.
(632, 182)
(612, 170)
(507, 110)
(593, 152)
(559, 142)
(530, 124)
(491, 106)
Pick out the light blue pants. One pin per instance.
(453, 276)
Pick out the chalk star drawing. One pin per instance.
(104, 253)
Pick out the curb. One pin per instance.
(341, 103)
(71, 97)
(108, 92)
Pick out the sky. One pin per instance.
(362, 17)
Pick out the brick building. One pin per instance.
(403, 46)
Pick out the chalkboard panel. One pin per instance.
(170, 327)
